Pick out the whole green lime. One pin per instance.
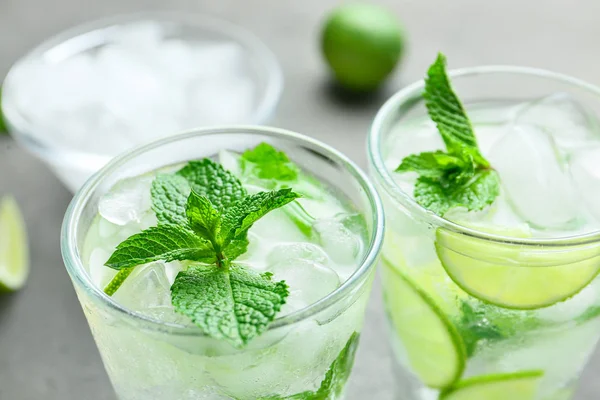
(362, 44)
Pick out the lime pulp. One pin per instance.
(514, 276)
(14, 251)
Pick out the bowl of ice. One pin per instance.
(96, 90)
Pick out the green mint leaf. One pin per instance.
(433, 165)
(339, 371)
(203, 218)
(169, 198)
(335, 379)
(241, 216)
(474, 327)
(462, 177)
(266, 162)
(234, 304)
(474, 193)
(163, 242)
(446, 110)
(237, 247)
(212, 181)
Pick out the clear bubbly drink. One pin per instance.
(317, 244)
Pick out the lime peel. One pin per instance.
(434, 347)
(521, 385)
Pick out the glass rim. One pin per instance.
(21, 126)
(384, 177)
(76, 270)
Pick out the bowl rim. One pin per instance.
(68, 42)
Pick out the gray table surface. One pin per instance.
(46, 350)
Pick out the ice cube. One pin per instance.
(100, 274)
(140, 34)
(128, 200)
(309, 281)
(218, 59)
(411, 139)
(277, 226)
(139, 92)
(288, 252)
(534, 179)
(569, 123)
(219, 100)
(572, 308)
(339, 242)
(585, 170)
(230, 161)
(147, 288)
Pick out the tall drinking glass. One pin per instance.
(308, 351)
(502, 303)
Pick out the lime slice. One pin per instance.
(516, 386)
(514, 276)
(14, 252)
(434, 348)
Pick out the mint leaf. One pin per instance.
(241, 217)
(237, 246)
(212, 181)
(339, 371)
(431, 164)
(335, 379)
(163, 242)
(446, 110)
(266, 162)
(443, 194)
(460, 177)
(203, 218)
(234, 304)
(169, 198)
(474, 327)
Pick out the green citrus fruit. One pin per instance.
(362, 44)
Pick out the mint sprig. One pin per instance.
(461, 176)
(335, 379)
(204, 214)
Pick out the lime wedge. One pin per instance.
(3, 128)
(434, 348)
(516, 386)
(514, 276)
(14, 251)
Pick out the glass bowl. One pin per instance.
(101, 88)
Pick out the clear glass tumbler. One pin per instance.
(450, 334)
(148, 359)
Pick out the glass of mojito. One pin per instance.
(226, 263)
(490, 181)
